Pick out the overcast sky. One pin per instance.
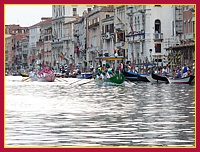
(26, 15)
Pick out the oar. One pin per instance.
(81, 79)
(25, 79)
(86, 82)
(65, 80)
(58, 79)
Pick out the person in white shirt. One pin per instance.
(184, 71)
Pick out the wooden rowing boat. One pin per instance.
(117, 79)
(184, 80)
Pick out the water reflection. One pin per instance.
(58, 114)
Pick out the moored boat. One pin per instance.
(24, 74)
(184, 80)
(157, 78)
(132, 76)
(86, 75)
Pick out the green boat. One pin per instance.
(117, 79)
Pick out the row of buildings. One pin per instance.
(77, 35)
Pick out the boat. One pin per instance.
(132, 76)
(117, 79)
(183, 80)
(45, 75)
(86, 75)
(143, 77)
(24, 74)
(157, 78)
(191, 79)
(33, 75)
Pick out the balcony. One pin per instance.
(141, 9)
(158, 36)
(119, 44)
(139, 38)
(94, 25)
(66, 38)
(107, 36)
(129, 11)
(119, 26)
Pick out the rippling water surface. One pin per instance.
(60, 114)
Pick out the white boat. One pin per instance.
(184, 80)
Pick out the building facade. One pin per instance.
(77, 35)
(94, 32)
(62, 14)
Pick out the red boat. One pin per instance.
(46, 75)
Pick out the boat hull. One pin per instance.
(159, 78)
(24, 75)
(86, 75)
(185, 80)
(48, 77)
(131, 76)
(117, 79)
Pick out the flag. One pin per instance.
(36, 54)
(62, 56)
(119, 36)
(54, 35)
(119, 19)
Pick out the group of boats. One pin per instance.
(155, 78)
(48, 75)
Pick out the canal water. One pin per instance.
(74, 112)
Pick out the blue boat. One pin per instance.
(132, 76)
(87, 75)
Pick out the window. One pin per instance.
(106, 28)
(188, 25)
(89, 10)
(184, 26)
(112, 28)
(64, 10)
(157, 48)
(157, 26)
(103, 29)
(107, 15)
(193, 27)
(74, 12)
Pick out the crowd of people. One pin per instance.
(104, 72)
(176, 72)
